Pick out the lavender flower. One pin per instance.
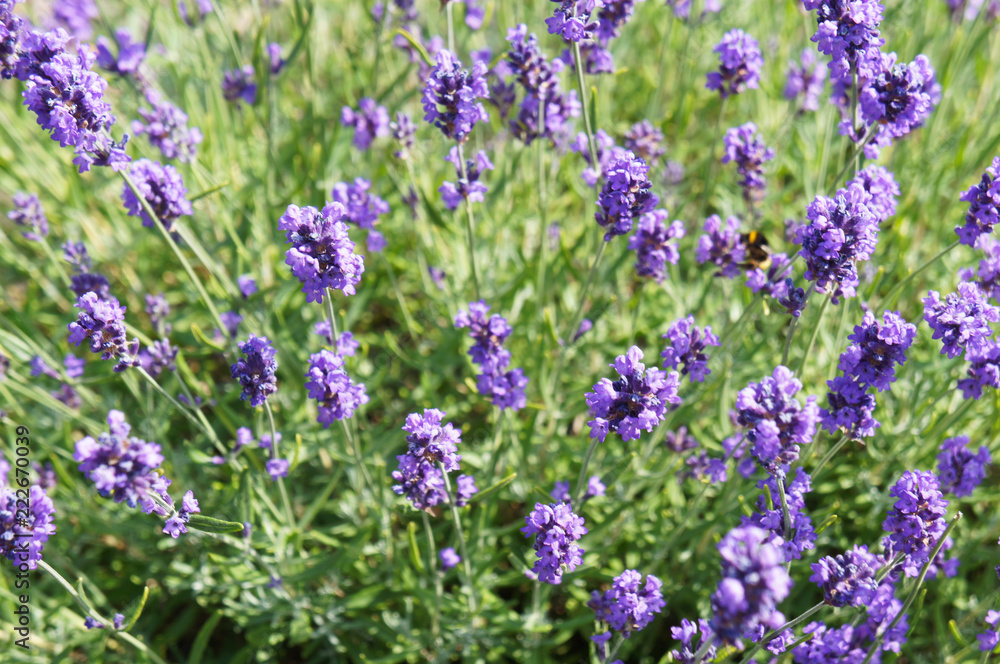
(130, 53)
(847, 579)
(802, 536)
(850, 409)
(699, 466)
(595, 488)
(505, 387)
(687, 631)
(842, 231)
(848, 33)
(984, 371)
(680, 440)
(722, 246)
(76, 16)
(740, 64)
(773, 281)
(432, 442)
(450, 94)
(24, 532)
(158, 357)
(988, 272)
(607, 153)
(39, 367)
(899, 98)
(67, 395)
(655, 244)
(369, 121)
(984, 206)
(103, 323)
(449, 558)
(322, 255)
(10, 36)
(166, 127)
(962, 320)
(627, 194)
(91, 283)
(637, 400)
(362, 208)
(556, 529)
(646, 141)
(877, 348)
(238, 84)
(277, 468)
(469, 187)
(255, 372)
(573, 19)
(794, 299)
(744, 146)
(880, 183)
(247, 285)
(916, 521)
(76, 255)
(562, 494)
(629, 605)
(204, 9)
(162, 188)
(277, 63)
(753, 582)
(74, 365)
(28, 212)
(586, 325)
(403, 132)
(337, 395)
(775, 421)
(174, 526)
(431, 448)
(989, 639)
(231, 320)
(830, 645)
(805, 80)
(959, 470)
(687, 348)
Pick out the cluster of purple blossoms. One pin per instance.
(28, 212)
(959, 470)
(449, 558)
(23, 533)
(655, 244)
(722, 246)
(102, 322)
(627, 193)
(988, 272)
(849, 578)
(247, 285)
(403, 132)
(881, 185)
(775, 422)
(850, 409)
(686, 348)
(162, 188)
(573, 19)
(10, 36)
(362, 208)
(740, 63)
(637, 400)
(680, 440)
(469, 186)
(76, 17)
(607, 153)
(166, 127)
(898, 99)
(541, 86)
(614, 14)
(645, 140)
(370, 121)
(962, 320)
(989, 639)
(505, 387)
(984, 206)
(700, 466)
(176, 524)
(984, 371)
(68, 98)
(40, 367)
(556, 529)
(877, 348)
(255, 372)
(130, 53)
(337, 395)
(450, 94)
(806, 80)
(916, 521)
(753, 582)
(842, 231)
(322, 255)
(802, 536)
(562, 493)
(629, 605)
(240, 84)
(688, 630)
(848, 33)
(775, 281)
(158, 309)
(275, 62)
(83, 281)
(158, 357)
(431, 451)
(744, 146)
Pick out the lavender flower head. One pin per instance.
(556, 529)
(431, 452)
(607, 153)
(962, 320)
(629, 605)
(573, 19)
(322, 255)
(984, 371)
(255, 372)
(850, 409)
(24, 532)
(174, 526)
(688, 630)
(916, 521)
(10, 36)
(337, 395)
(166, 127)
(238, 84)
(505, 387)
(771, 519)
(842, 231)
(646, 141)
(158, 357)
(880, 183)
(369, 121)
(988, 272)
(102, 322)
(989, 639)
(362, 208)
(655, 244)
(740, 63)
(680, 440)
(130, 53)
(849, 578)
(637, 400)
(627, 194)
(984, 206)
(431, 440)
(76, 16)
(754, 581)
(776, 422)
(403, 132)
(959, 470)
(162, 188)
(469, 187)
(247, 285)
(745, 147)
(450, 94)
(449, 558)
(848, 33)
(28, 212)
(687, 348)
(877, 349)
(275, 61)
(899, 98)
(722, 246)
(805, 80)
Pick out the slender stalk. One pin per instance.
(451, 25)
(786, 516)
(581, 486)
(334, 333)
(857, 151)
(890, 298)
(543, 243)
(399, 297)
(791, 624)
(208, 431)
(584, 103)
(274, 455)
(829, 455)
(788, 340)
(619, 640)
(432, 566)
(815, 334)
(461, 541)
(703, 650)
(470, 222)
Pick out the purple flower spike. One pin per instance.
(450, 94)
(744, 146)
(404, 133)
(130, 53)
(961, 321)
(989, 639)
(573, 19)
(322, 255)
(850, 409)
(636, 401)
(629, 605)
(469, 187)
(10, 36)
(627, 194)
(984, 371)
(369, 121)
(848, 33)
(775, 422)
(277, 468)
(505, 387)
(740, 64)
(688, 630)
(805, 80)
(959, 470)
(158, 357)
(28, 212)
(984, 206)
(255, 372)
(847, 579)
(556, 529)
(432, 442)
(655, 244)
(166, 127)
(607, 153)
(687, 348)
(916, 521)
(337, 395)
(24, 532)
(721, 245)
(449, 558)
(103, 323)
(162, 188)
(880, 183)
(646, 141)
(362, 207)
(238, 84)
(877, 348)
(899, 98)
(802, 536)
(175, 526)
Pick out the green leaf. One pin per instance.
(417, 45)
(131, 619)
(411, 535)
(201, 641)
(209, 525)
(953, 626)
(494, 488)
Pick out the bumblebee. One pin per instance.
(758, 251)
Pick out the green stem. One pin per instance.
(451, 26)
(585, 105)
(581, 480)
(829, 455)
(814, 335)
(786, 516)
(274, 455)
(470, 222)
(432, 567)
(788, 340)
(467, 565)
